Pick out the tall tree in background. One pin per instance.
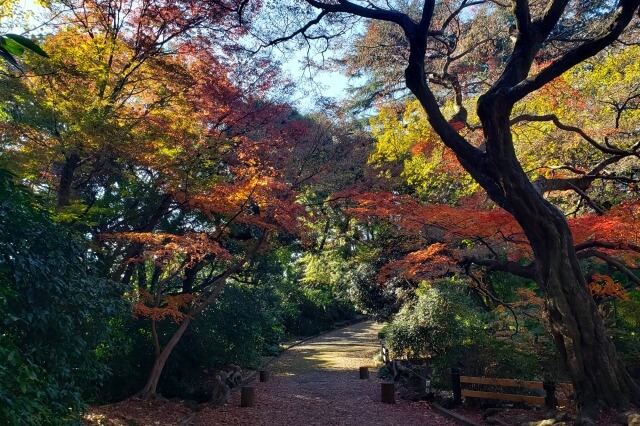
(461, 49)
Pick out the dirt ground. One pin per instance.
(313, 383)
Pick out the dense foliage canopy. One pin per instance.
(165, 211)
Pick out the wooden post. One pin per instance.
(388, 392)
(550, 400)
(364, 373)
(247, 396)
(455, 385)
(264, 375)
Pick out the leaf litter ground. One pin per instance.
(313, 383)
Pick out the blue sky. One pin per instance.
(325, 83)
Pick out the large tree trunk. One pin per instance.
(571, 313)
(572, 316)
(580, 335)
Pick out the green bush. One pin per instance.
(311, 310)
(128, 356)
(55, 313)
(380, 301)
(237, 329)
(445, 325)
(626, 328)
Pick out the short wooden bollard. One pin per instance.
(264, 375)
(388, 392)
(364, 373)
(247, 396)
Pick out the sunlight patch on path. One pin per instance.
(345, 349)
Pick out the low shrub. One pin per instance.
(445, 325)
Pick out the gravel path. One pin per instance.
(313, 383)
(316, 383)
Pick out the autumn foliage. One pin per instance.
(456, 235)
(160, 133)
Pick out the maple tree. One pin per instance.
(108, 71)
(540, 42)
(155, 146)
(165, 151)
(408, 148)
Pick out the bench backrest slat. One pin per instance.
(501, 382)
(537, 400)
(560, 392)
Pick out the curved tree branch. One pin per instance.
(587, 199)
(614, 263)
(490, 295)
(300, 31)
(556, 121)
(607, 245)
(527, 271)
(344, 6)
(623, 15)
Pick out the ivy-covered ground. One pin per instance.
(314, 383)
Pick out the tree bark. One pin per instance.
(572, 316)
(580, 336)
(66, 179)
(216, 287)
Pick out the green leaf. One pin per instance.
(11, 46)
(8, 57)
(27, 43)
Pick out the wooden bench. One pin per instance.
(550, 390)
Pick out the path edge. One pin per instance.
(453, 416)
